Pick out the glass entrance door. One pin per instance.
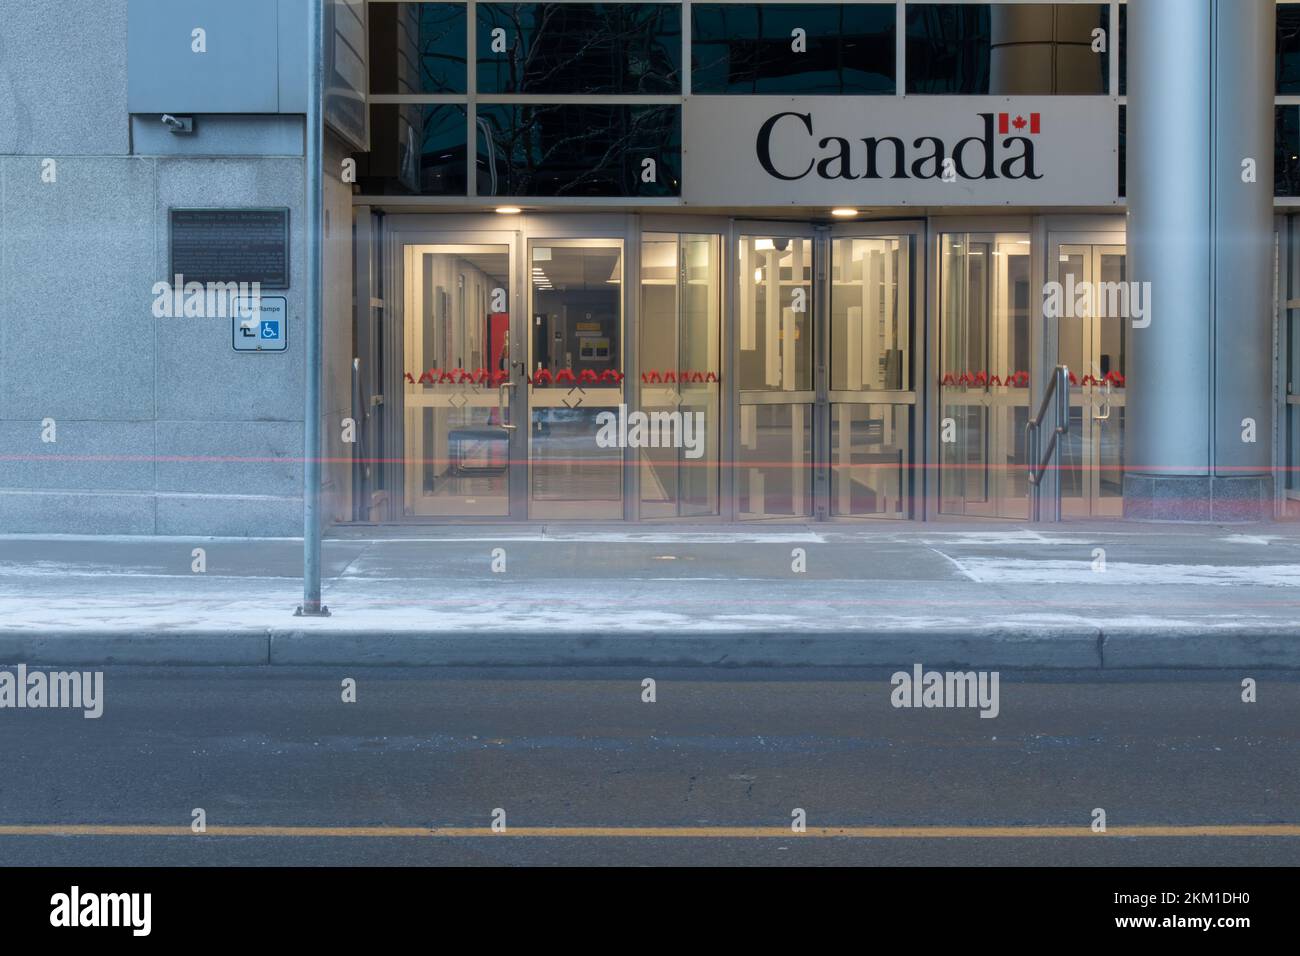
(575, 378)
(824, 362)
(869, 367)
(513, 360)
(459, 421)
(774, 370)
(1091, 340)
(679, 354)
(984, 373)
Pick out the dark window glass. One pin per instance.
(748, 48)
(414, 151)
(573, 48)
(578, 149)
(1286, 151)
(417, 48)
(1123, 49)
(1123, 151)
(948, 48)
(1005, 48)
(1288, 48)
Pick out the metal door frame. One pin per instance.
(403, 231)
(915, 231)
(682, 225)
(992, 226)
(541, 225)
(392, 233)
(368, 395)
(763, 228)
(1095, 241)
(820, 397)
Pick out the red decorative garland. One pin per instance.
(1020, 379)
(494, 379)
(680, 377)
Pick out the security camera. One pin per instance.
(179, 125)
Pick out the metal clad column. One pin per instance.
(1167, 425)
(1200, 102)
(314, 158)
(1243, 236)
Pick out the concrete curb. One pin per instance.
(1007, 648)
(128, 647)
(1011, 648)
(1128, 648)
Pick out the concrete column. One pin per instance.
(1200, 103)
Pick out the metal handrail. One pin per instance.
(1058, 387)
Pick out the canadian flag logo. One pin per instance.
(1007, 123)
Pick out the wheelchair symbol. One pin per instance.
(270, 329)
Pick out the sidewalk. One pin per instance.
(989, 595)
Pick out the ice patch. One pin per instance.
(1029, 571)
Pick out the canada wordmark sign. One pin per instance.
(931, 150)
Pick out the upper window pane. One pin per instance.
(1123, 49)
(579, 149)
(415, 150)
(1288, 48)
(417, 48)
(1006, 48)
(792, 48)
(570, 48)
(1123, 151)
(1286, 151)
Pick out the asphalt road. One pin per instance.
(578, 748)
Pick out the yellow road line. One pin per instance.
(692, 832)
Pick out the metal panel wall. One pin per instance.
(238, 73)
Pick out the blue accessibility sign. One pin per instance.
(260, 324)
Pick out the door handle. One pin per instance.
(1102, 418)
(501, 405)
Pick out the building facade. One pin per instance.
(650, 261)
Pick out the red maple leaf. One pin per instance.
(1018, 122)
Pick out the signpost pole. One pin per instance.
(311, 603)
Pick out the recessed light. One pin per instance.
(509, 210)
(844, 212)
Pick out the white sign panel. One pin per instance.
(260, 325)
(901, 150)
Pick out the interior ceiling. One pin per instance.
(494, 265)
(574, 268)
(568, 267)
